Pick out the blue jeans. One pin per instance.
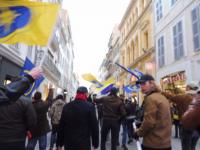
(42, 143)
(130, 129)
(124, 133)
(53, 139)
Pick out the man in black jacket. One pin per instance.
(17, 114)
(78, 124)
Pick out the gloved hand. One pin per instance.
(135, 136)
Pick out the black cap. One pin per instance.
(37, 95)
(82, 89)
(144, 78)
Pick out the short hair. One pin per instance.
(82, 89)
(114, 91)
(37, 95)
(59, 97)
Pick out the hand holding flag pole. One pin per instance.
(35, 73)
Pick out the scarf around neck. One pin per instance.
(81, 96)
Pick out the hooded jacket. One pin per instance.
(56, 111)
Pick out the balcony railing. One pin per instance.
(50, 66)
(54, 44)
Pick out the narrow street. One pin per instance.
(176, 144)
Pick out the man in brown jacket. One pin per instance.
(113, 110)
(156, 126)
(188, 137)
(190, 118)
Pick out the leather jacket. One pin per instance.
(190, 119)
(17, 114)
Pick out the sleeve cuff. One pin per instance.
(30, 78)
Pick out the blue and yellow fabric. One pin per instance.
(133, 72)
(92, 79)
(27, 22)
(132, 88)
(107, 85)
(28, 65)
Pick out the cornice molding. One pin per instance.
(11, 55)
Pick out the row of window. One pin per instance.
(159, 8)
(133, 17)
(178, 43)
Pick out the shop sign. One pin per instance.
(174, 78)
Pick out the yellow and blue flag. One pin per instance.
(91, 78)
(27, 22)
(28, 65)
(107, 85)
(107, 89)
(133, 72)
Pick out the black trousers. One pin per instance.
(113, 126)
(149, 148)
(13, 146)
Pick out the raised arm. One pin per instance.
(17, 88)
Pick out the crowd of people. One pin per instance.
(76, 125)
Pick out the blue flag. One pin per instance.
(28, 65)
(134, 72)
(132, 88)
(107, 89)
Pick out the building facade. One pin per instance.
(108, 68)
(136, 41)
(113, 46)
(11, 61)
(177, 40)
(58, 64)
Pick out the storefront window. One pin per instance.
(175, 83)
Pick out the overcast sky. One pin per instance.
(92, 22)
